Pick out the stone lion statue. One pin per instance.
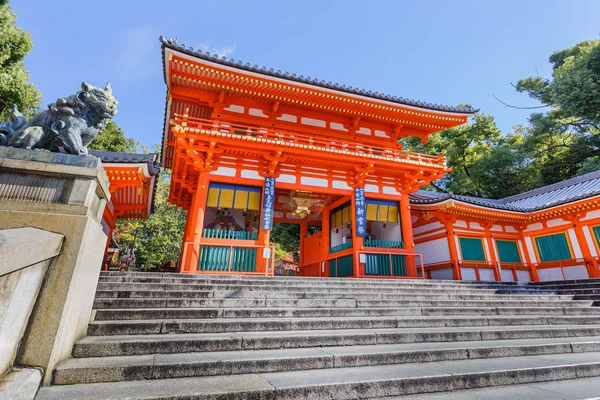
(69, 125)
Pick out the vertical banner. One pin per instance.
(268, 204)
(360, 212)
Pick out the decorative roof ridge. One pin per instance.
(174, 45)
(132, 158)
(552, 187)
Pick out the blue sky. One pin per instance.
(447, 52)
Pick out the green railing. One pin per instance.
(385, 244)
(235, 235)
(340, 247)
(379, 264)
(218, 258)
(341, 266)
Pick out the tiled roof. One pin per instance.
(173, 44)
(126, 158)
(577, 188)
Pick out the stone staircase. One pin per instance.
(171, 336)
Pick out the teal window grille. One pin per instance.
(596, 231)
(553, 247)
(508, 251)
(341, 266)
(472, 249)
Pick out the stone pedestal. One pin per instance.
(66, 195)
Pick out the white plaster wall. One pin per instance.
(257, 112)
(509, 228)
(460, 224)
(496, 228)
(445, 273)
(521, 252)
(486, 248)
(288, 118)
(591, 215)
(434, 251)
(468, 274)
(556, 222)
(523, 276)
(457, 247)
(337, 126)
(530, 249)
(340, 185)
(506, 275)
(475, 225)
(224, 171)
(235, 108)
(307, 180)
(313, 122)
(590, 240)
(495, 249)
(486, 274)
(390, 190)
(372, 188)
(550, 274)
(576, 272)
(251, 174)
(286, 178)
(534, 227)
(428, 227)
(574, 243)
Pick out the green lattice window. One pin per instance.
(553, 247)
(508, 251)
(596, 231)
(472, 249)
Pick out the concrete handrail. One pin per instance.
(22, 247)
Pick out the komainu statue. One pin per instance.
(69, 125)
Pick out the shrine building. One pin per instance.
(250, 146)
(132, 183)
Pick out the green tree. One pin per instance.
(565, 141)
(158, 239)
(112, 138)
(15, 87)
(466, 149)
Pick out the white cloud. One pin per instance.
(224, 51)
(139, 53)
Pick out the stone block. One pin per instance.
(66, 195)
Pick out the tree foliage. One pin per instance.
(157, 239)
(558, 144)
(15, 87)
(112, 138)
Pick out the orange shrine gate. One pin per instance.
(249, 147)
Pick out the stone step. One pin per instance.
(162, 366)
(315, 289)
(124, 345)
(580, 388)
(155, 326)
(289, 312)
(346, 383)
(322, 282)
(251, 280)
(252, 294)
(481, 305)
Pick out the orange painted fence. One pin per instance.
(283, 137)
(378, 263)
(239, 257)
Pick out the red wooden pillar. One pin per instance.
(490, 245)
(591, 263)
(407, 235)
(303, 236)
(325, 237)
(195, 221)
(456, 274)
